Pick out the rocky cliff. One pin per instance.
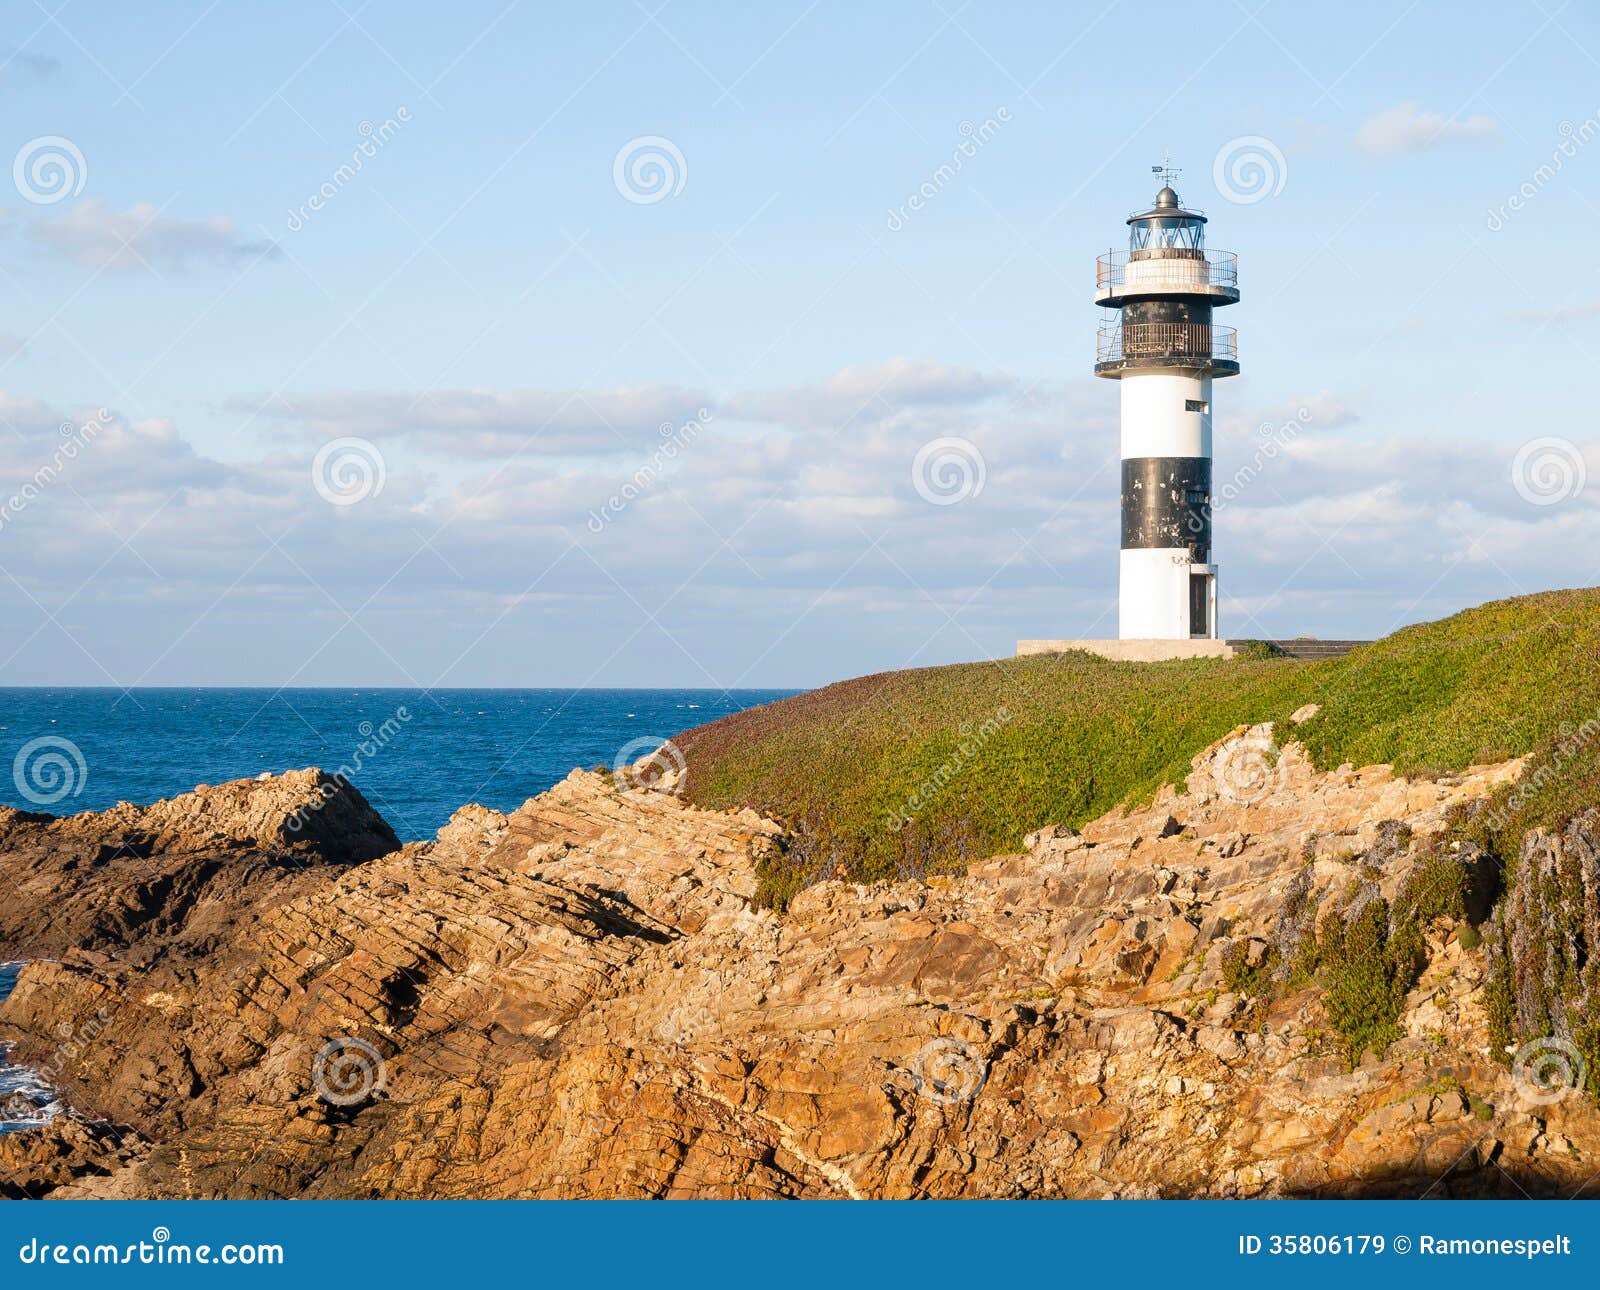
(582, 998)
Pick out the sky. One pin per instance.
(651, 344)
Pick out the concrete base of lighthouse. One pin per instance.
(1307, 649)
(1132, 651)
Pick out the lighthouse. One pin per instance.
(1163, 349)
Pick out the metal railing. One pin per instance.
(1195, 342)
(1205, 269)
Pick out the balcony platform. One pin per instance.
(1121, 276)
(1199, 347)
(1113, 295)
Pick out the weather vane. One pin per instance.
(1167, 170)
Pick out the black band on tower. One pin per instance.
(1166, 503)
(1167, 310)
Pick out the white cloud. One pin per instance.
(868, 394)
(1579, 312)
(793, 532)
(494, 423)
(96, 237)
(1407, 128)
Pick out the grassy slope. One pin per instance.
(1073, 736)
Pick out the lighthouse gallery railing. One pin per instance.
(1205, 268)
(1119, 342)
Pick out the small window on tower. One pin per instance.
(1195, 497)
(1196, 405)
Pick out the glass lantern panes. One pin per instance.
(1162, 234)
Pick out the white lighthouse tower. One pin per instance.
(1165, 351)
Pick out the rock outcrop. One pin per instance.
(140, 879)
(582, 998)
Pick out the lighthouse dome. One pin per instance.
(1168, 211)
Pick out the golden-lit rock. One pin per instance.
(581, 998)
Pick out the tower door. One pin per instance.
(1199, 604)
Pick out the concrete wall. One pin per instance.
(1132, 651)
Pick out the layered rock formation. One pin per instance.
(137, 879)
(582, 999)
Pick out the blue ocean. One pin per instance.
(416, 755)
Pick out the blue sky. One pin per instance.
(502, 323)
